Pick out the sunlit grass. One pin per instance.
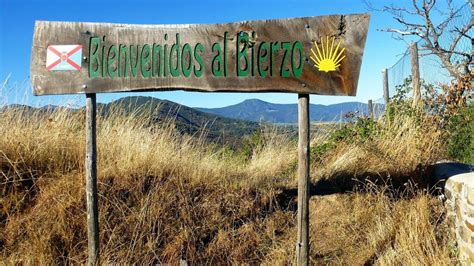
(165, 196)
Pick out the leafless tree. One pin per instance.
(446, 37)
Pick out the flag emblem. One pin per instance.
(64, 57)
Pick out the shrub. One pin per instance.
(252, 143)
(461, 135)
(359, 130)
(452, 110)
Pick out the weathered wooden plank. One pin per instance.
(302, 245)
(91, 181)
(349, 30)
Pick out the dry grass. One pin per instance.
(371, 228)
(400, 149)
(165, 197)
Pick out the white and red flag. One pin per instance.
(64, 57)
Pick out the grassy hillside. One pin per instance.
(187, 120)
(222, 130)
(165, 196)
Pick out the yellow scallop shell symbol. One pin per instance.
(327, 57)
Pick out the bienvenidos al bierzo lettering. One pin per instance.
(177, 59)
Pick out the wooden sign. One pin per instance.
(314, 55)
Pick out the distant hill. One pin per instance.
(226, 124)
(258, 110)
(187, 119)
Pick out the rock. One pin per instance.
(459, 191)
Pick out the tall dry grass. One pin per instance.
(370, 228)
(400, 149)
(164, 196)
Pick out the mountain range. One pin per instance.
(258, 111)
(186, 119)
(223, 125)
(253, 110)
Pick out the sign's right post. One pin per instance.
(302, 245)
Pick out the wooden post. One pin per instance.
(302, 246)
(386, 94)
(370, 106)
(415, 74)
(91, 180)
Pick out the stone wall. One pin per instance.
(459, 192)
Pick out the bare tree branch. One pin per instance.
(461, 33)
(433, 35)
(401, 32)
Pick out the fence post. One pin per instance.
(370, 108)
(415, 74)
(386, 94)
(91, 181)
(302, 246)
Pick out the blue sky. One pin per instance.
(17, 22)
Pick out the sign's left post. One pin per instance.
(91, 180)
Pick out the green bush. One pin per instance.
(461, 135)
(251, 143)
(359, 130)
(442, 107)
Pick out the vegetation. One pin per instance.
(449, 108)
(173, 187)
(461, 140)
(456, 112)
(165, 196)
(186, 120)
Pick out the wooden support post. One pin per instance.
(370, 106)
(386, 94)
(91, 181)
(415, 74)
(302, 246)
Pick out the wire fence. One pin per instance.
(399, 72)
(431, 68)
